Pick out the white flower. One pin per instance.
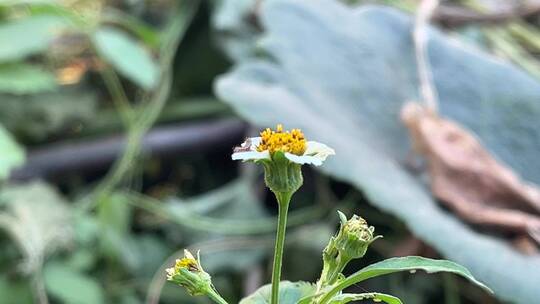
(293, 145)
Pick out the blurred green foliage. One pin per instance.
(79, 70)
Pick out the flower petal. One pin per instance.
(250, 155)
(316, 149)
(255, 142)
(304, 159)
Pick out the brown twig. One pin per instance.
(453, 16)
(428, 91)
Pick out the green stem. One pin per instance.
(283, 199)
(351, 280)
(118, 94)
(451, 290)
(334, 272)
(216, 297)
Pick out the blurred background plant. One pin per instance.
(115, 143)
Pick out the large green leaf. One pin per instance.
(128, 56)
(29, 36)
(70, 286)
(342, 74)
(411, 263)
(12, 154)
(289, 293)
(21, 78)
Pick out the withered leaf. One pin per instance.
(466, 177)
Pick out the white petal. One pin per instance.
(251, 155)
(188, 254)
(318, 150)
(304, 159)
(255, 142)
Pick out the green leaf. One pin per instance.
(127, 56)
(114, 214)
(22, 78)
(70, 286)
(289, 293)
(14, 291)
(374, 296)
(40, 115)
(342, 74)
(25, 2)
(38, 219)
(411, 263)
(135, 25)
(12, 154)
(29, 36)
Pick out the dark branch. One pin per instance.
(64, 158)
(453, 16)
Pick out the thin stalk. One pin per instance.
(118, 94)
(428, 91)
(451, 290)
(196, 221)
(143, 117)
(39, 288)
(283, 201)
(216, 297)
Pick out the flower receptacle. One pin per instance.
(282, 176)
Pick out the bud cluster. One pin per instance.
(351, 242)
(188, 272)
(354, 237)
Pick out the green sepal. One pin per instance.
(197, 283)
(281, 175)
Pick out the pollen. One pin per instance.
(186, 263)
(279, 140)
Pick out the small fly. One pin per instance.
(245, 147)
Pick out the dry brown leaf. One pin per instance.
(467, 178)
(71, 73)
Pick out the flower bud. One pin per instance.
(188, 272)
(351, 242)
(354, 237)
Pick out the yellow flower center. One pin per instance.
(186, 263)
(278, 140)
